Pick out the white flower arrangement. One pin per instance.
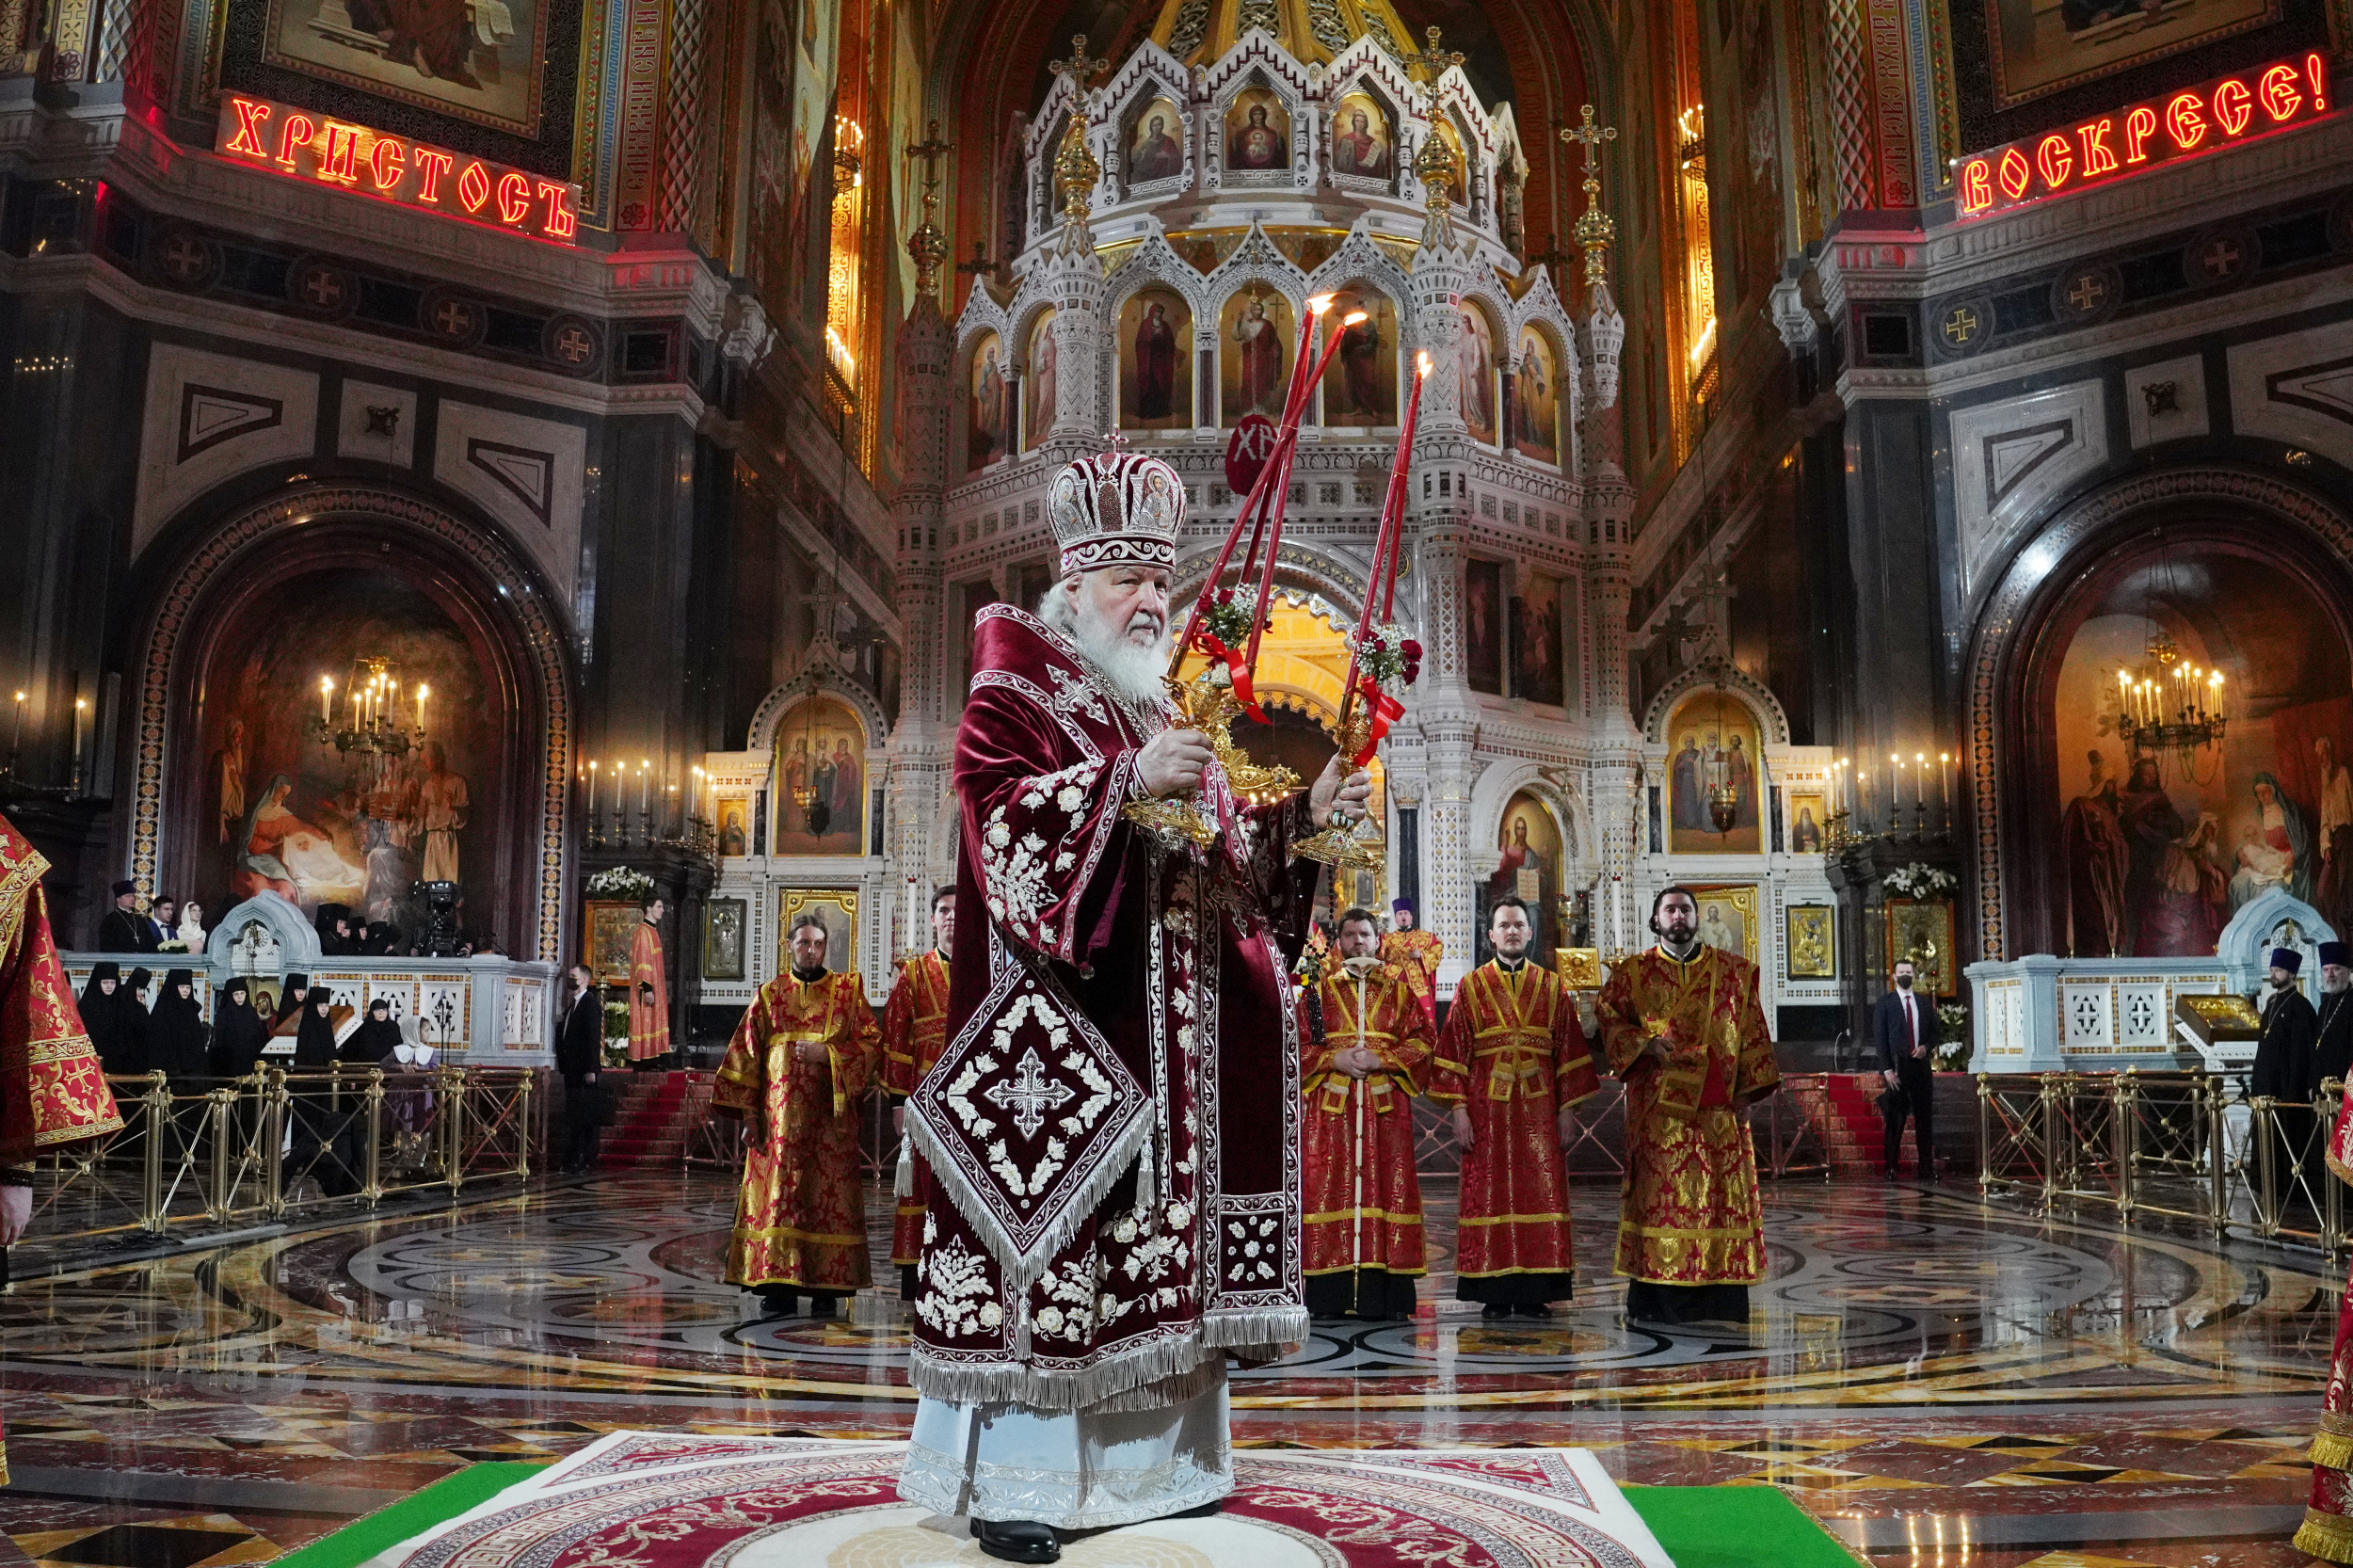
(620, 882)
(1920, 880)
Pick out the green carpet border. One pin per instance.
(419, 1511)
(1735, 1527)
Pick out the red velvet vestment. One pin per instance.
(2328, 1528)
(800, 1216)
(1513, 1053)
(1111, 1130)
(1362, 1201)
(52, 1091)
(914, 1030)
(1690, 1213)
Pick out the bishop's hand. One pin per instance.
(1169, 763)
(1335, 795)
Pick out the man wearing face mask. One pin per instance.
(1365, 1054)
(1906, 1026)
(1512, 1061)
(806, 1051)
(1682, 1025)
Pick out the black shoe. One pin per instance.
(1494, 1312)
(1888, 1174)
(780, 1303)
(1204, 1512)
(1534, 1309)
(1017, 1540)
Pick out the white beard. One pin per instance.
(1132, 671)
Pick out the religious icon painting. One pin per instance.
(1475, 360)
(1257, 334)
(479, 62)
(1810, 941)
(735, 825)
(984, 408)
(1808, 820)
(1155, 361)
(1482, 625)
(1536, 401)
(1921, 930)
(1364, 146)
(1258, 133)
(1728, 917)
(1041, 382)
(835, 908)
(1360, 388)
(1156, 143)
(1536, 641)
(2040, 49)
(821, 780)
(1714, 777)
(606, 925)
(1529, 870)
(724, 922)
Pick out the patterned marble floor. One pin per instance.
(1939, 1380)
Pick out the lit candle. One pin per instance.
(17, 741)
(327, 700)
(645, 777)
(424, 692)
(1919, 779)
(1944, 785)
(1862, 790)
(592, 791)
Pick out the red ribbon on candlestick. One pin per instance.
(1235, 665)
(1385, 711)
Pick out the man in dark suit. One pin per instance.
(126, 928)
(579, 1054)
(1906, 1026)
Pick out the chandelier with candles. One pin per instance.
(2169, 704)
(379, 717)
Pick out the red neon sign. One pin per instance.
(294, 144)
(2188, 123)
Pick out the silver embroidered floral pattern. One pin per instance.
(955, 1292)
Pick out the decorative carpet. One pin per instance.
(679, 1501)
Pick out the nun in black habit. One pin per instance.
(238, 1032)
(176, 1035)
(102, 1004)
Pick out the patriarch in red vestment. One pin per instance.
(1112, 1129)
(1368, 1049)
(805, 1054)
(914, 1028)
(1683, 1026)
(1512, 1062)
(52, 1090)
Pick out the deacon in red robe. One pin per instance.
(52, 1091)
(2327, 1532)
(648, 987)
(1367, 1051)
(1113, 1131)
(1416, 952)
(1683, 1026)
(914, 1028)
(1512, 1062)
(805, 1054)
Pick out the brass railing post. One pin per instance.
(2331, 1194)
(2218, 1155)
(372, 1176)
(155, 1111)
(2053, 1119)
(2124, 1093)
(2261, 1133)
(221, 1107)
(522, 1126)
(454, 1083)
(1985, 1132)
(273, 1113)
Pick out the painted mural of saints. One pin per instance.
(1360, 145)
(1156, 364)
(1258, 144)
(1156, 154)
(1259, 347)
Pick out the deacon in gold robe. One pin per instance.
(1416, 952)
(1683, 1026)
(52, 1090)
(914, 1028)
(806, 1051)
(1365, 1050)
(648, 988)
(1512, 1061)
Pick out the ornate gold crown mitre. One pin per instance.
(1117, 508)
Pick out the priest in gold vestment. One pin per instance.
(648, 987)
(914, 1030)
(806, 1051)
(52, 1091)
(1416, 952)
(1366, 1051)
(1682, 1025)
(1512, 1061)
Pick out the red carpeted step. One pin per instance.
(648, 1123)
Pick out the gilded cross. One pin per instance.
(1029, 1096)
(1116, 440)
(1961, 325)
(1593, 135)
(2089, 291)
(2220, 257)
(323, 288)
(1596, 230)
(929, 150)
(1078, 67)
(1434, 60)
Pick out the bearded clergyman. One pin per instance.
(1110, 1130)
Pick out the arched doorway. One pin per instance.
(242, 785)
(2092, 841)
